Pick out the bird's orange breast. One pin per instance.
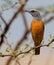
(37, 29)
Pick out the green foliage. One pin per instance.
(27, 45)
(49, 8)
(22, 56)
(15, 52)
(53, 47)
(49, 40)
(50, 45)
(7, 49)
(0, 24)
(4, 6)
(0, 53)
(50, 36)
(42, 42)
(40, 9)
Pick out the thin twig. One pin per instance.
(10, 22)
(9, 45)
(17, 61)
(3, 19)
(30, 60)
(11, 6)
(49, 20)
(17, 46)
(47, 45)
(25, 21)
(45, 14)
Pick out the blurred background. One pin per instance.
(15, 30)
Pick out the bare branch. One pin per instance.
(45, 14)
(3, 20)
(24, 18)
(11, 6)
(17, 61)
(18, 45)
(30, 60)
(10, 22)
(49, 20)
(24, 37)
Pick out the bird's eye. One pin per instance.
(32, 11)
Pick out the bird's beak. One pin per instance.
(26, 11)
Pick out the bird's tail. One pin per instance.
(37, 50)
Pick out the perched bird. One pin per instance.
(37, 29)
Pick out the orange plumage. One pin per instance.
(37, 29)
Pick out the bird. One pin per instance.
(37, 29)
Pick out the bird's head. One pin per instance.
(35, 14)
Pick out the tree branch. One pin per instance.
(22, 39)
(13, 55)
(49, 20)
(3, 20)
(30, 60)
(12, 19)
(24, 18)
